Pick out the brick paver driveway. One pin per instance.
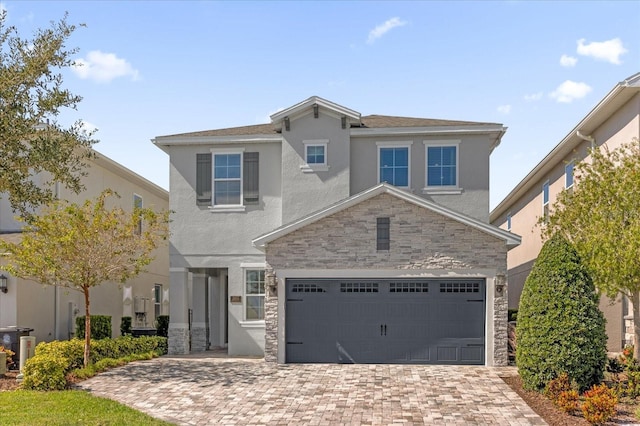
(205, 390)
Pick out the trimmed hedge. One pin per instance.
(100, 327)
(560, 328)
(57, 358)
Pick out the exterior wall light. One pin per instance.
(3, 283)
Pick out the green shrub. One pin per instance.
(512, 315)
(125, 326)
(45, 373)
(162, 325)
(100, 327)
(599, 404)
(560, 328)
(71, 350)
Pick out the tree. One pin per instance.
(31, 97)
(82, 246)
(601, 217)
(560, 327)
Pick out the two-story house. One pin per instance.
(613, 121)
(51, 311)
(327, 236)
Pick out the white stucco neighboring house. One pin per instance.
(328, 236)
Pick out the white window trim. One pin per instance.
(441, 190)
(571, 163)
(226, 208)
(247, 323)
(312, 168)
(396, 144)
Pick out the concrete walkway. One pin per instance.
(233, 391)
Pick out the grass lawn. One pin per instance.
(67, 408)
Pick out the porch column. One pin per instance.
(199, 324)
(178, 311)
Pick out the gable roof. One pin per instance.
(512, 240)
(615, 99)
(377, 125)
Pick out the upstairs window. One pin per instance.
(315, 156)
(137, 204)
(231, 177)
(568, 175)
(394, 165)
(442, 165)
(509, 222)
(227, 179)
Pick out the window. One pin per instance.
(545, 201)
(227, 179)
(568, 175)
(157, 299)
(315, 156)
(509, 222)
(254, 294)
(394, 165)
(137, 204)
(442, 169)
(235, 177)
(383, 233)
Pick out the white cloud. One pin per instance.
(382, 29)
(504, 109)
(103, 67)
(568, 61)
(609, 51)
(267, 118)
(569, 91)
(533, 97)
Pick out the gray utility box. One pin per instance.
(10, 339)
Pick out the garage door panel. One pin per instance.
(386, 321)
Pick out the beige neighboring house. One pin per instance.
(613, 121)
(51, 311)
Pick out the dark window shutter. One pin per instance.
(203, 179)
(250, 178)
(383, 233)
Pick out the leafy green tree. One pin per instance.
(601, 217)
(31, 97)
(560, 327)
(82, 246)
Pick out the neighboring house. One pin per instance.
(51, 311)
(326, 236)
(614, 120)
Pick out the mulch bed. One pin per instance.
(552, 415)
(8, 381)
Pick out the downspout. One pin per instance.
(587, 138)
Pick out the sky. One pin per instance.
(153, 68)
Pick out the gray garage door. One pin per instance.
(385, 321)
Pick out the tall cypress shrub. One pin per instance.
(560, 328)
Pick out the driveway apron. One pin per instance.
(233, 391)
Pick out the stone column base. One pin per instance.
(198, 338)
(178, 341)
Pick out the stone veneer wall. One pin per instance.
(420, 239)
(178, 341)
